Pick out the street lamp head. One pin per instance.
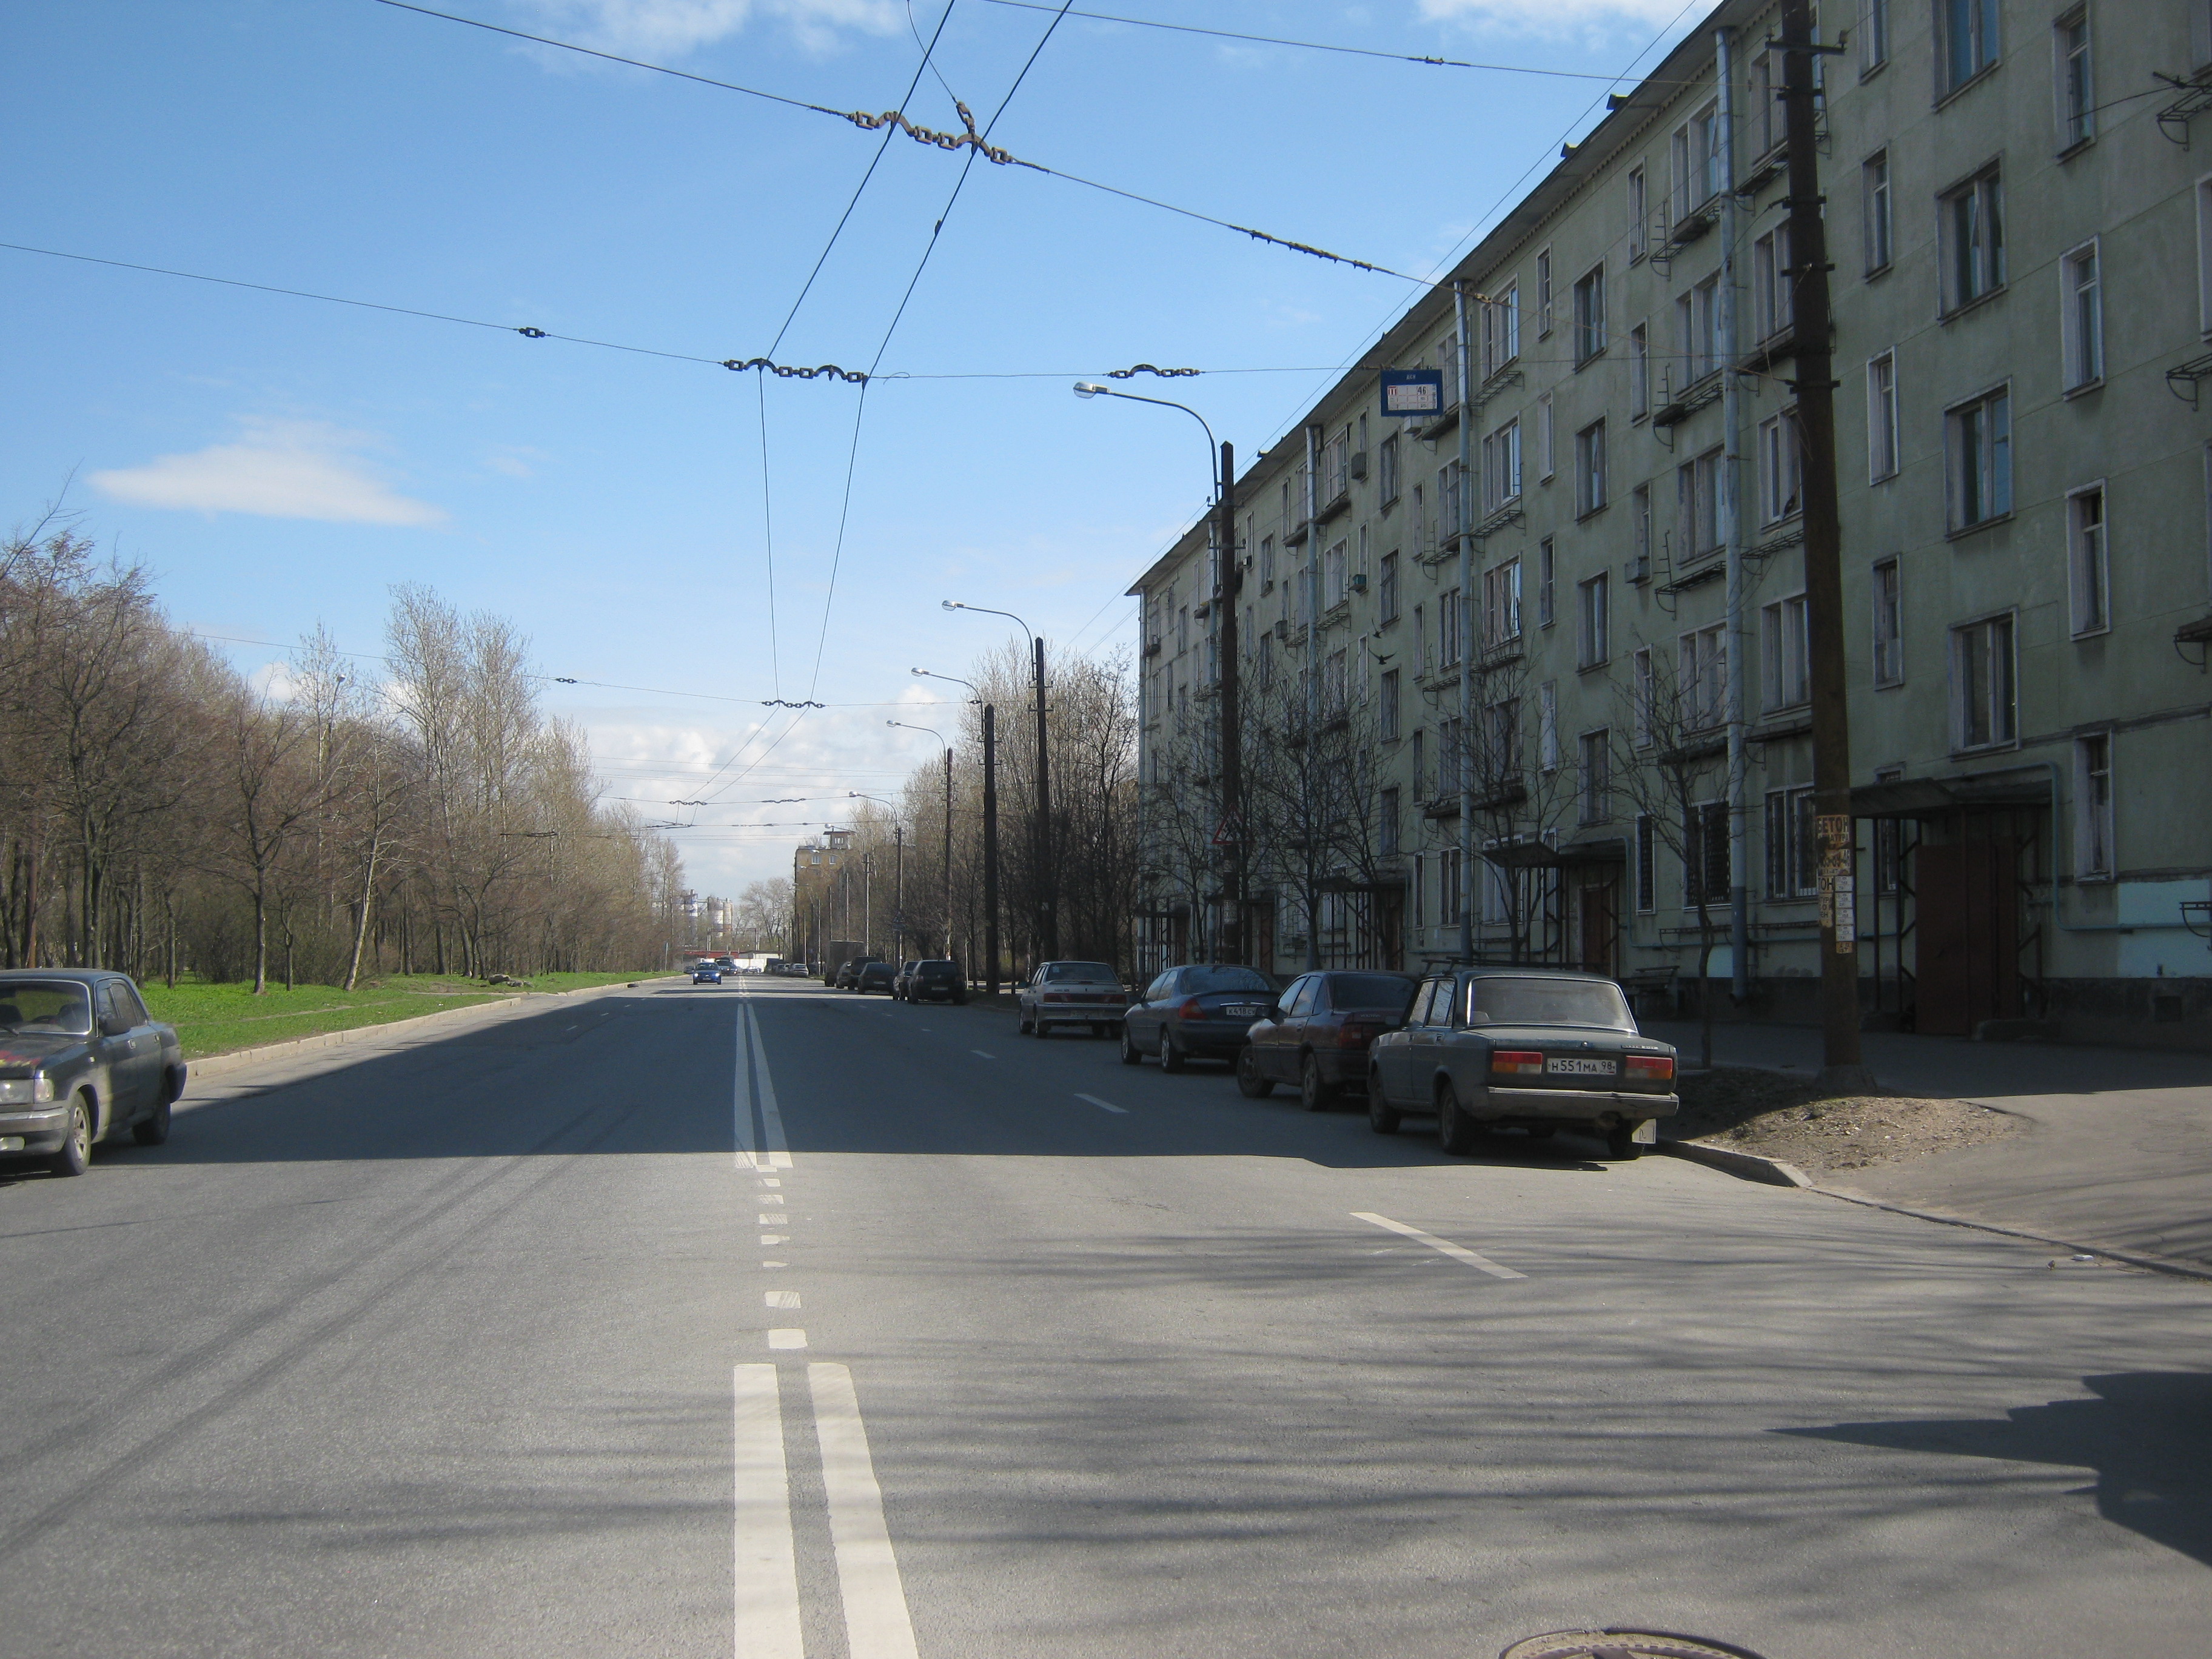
(1091, 389)
(923, 672)
(952, 604)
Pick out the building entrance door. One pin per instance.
(1599, 901)
(1968, 931)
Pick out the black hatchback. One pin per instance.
(1201, 1011)
(936, 981)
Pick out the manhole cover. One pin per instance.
(1622, 1644)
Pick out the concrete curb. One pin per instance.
(2144, 1258)
(1749, 1165)
(238, 1058)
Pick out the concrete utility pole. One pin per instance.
(1466, 619)
(1739, 828)
(1810, 324)
(1048, 911)
(1313, 671)
(991, 848)
(947, 879)
(1227, 590)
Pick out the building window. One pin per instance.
(1647, 863)
(1984, 690)
(1501, 604)
(1874, 35)
(1883, 434)
(1639, 371)
(1386, 469)
(1501, 329)
(1697, 322)
(1764, 127)
(1785, 649)
(1793, 861)
(1968, 32)
(1643, 691)
(1697, 152)
(1639, 210)
(1595, 778)
(1980, 460)
(1781, 467)
(2204, 255)
(1267, 562)
(1874, 184)
(1705, 873)
(1546, 574)
(1771, 301)
(1701, 669)
(2089, 580)
(1335, 683)
(2093, 798)
(1589, 469)
(1593, 646)
(2081, 318)
(1543, 293)
(1448, 614)
(1547, 458)
(1420, 643)
(1386, 716)
(1590, 316)
(1697, 492)
(1501, 466)
(1639, 533)
(1888, 623)
(1971, 229)
(1333, 577)
(1419, 761)
(1386, 824)
(1547, 727)
(2077, 101)
(1386, 590)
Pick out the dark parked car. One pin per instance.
(80, 1059)
(1318, 1033)
(875, 976)
(706, 973)
(1195, 1012)
(905, 978)
(1087, 994)
(848, 976)
(937, 980)
(1531, 1049)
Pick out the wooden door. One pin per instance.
(1968, 931)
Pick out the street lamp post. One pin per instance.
(1048, 928)
(939, 736)
(990, 835)
(1229, 583)
(898, 868)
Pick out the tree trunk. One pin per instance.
(261, 940)
(360, 916)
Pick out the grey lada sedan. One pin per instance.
(1534, 1049)
(80, 1059)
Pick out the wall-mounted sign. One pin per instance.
(1412, 391)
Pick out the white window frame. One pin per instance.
(2096, 856)
(1546, 446)
(1501, 604)
(1547, 727)
(2204, 253)
(2002, 713)
(1793, 864)
(1388, 708)
(1876, 186)
(1590, 474)
(1639, 371)
(1701, 677)
(1885, 437)
(1989, 466)
(1333, 571)
(1771, 305)
(1501, 329)
(1588, 301)
(1971, 239)
(2088, 559)
(1642, 687)
(1501, 466)
(1547, 569)
(1887, 592)
(1785, 642)
(1647, 864)
(2081, 316)
(1543, 293)
(2074, 80)
(1781, 468)
(1594, 776)
(1592, 622)
(1696, 155)
(1984, 49)
(1639, 213)
(1639, 532)
(1874, 36)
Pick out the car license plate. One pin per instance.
(1559, 1066)
(1242, 1011)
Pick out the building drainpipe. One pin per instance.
(1312, 669)
(1732, 509)
(1465, 621)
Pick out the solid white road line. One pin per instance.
(877, 1623)
(781, 1298)
(766, 1604)
(1445, 1247)
(787, 1338)
(1104, 1105)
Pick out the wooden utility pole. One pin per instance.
(1230, 940)
(990, 849)
(1811, 327)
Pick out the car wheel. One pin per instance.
(1315, 1092)
(1620, 1142)
(1171, 1058)
(1456, 1130)
(1249, 1083)
(1023, 1027)
(1131, 1055)
(74, 1157)
(153, 1129)
(1380, 1117)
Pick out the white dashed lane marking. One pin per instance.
(1442, 1246)
(786, 1337)
(1104, 1105)
(782, 1298)
(979, 1055)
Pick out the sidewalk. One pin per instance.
(2119, 1155)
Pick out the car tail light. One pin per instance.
(1655, 1068)
(1190, 1010)
(1358, 1032)
(1055, 996)
(1516, 1059)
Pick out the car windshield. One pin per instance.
(46, 1005)
(1383, 991)
(1092, 973)
(1537, 1001)
(1224, 979)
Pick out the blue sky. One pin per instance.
(280, 463)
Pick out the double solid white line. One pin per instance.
(877, 1622)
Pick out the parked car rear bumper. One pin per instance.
(1573, 1105)
(1221, 1039)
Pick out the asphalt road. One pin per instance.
(777, 1323)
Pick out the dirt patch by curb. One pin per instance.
(1779, 1115)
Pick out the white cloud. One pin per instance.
(276, 469)
(643, 28)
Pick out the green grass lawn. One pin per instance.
(215, 1019)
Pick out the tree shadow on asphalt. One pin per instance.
(2147, 1435)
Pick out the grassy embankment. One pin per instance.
(215, 1019)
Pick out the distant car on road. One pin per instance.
(1194, 1012)
(1071, 994)
(905, 973)
(706, 973)
(1538, 1050)
(727, 964)
(848, 972)
(80, 1060)
(875, 976)
(936, 980)
(1317, 1034)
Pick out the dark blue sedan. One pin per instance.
(706, 973)
(1200, 1011)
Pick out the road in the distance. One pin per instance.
(473, 1348)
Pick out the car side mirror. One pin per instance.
(113, 1025)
